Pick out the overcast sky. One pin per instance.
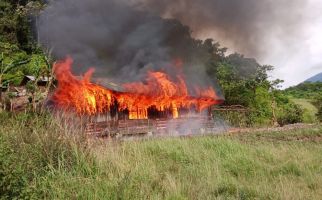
(304, 59)
(295, 59)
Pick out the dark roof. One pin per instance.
(41, 81)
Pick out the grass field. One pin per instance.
(41, 158)
(309, 109)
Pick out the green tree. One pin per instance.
(16, 18)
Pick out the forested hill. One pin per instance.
(306, 90)
(316, 78)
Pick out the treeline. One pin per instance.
(306, 90)
(243, 81)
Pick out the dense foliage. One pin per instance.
(20, 54)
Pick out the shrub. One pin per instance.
(289, 113)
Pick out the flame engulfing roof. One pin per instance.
(158, 92)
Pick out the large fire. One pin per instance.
(159, 92)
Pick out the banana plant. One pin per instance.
(7, 67)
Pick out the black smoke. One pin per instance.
(120, 40)
(125, 38)
(106, 34)
(249, 26)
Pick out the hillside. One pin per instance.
(306, 90)
(316, 78)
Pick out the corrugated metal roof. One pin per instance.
(108, 84)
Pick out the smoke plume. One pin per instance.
(126, 38)
(120, 40)
(248, 26)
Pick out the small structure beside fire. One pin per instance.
(18, 97)
(42, 81)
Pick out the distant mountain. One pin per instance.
(316, 78)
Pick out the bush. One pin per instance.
(289, 114)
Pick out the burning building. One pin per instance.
(159, 69)
(158, 97)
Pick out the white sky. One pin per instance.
(298, 56)
(303, 60)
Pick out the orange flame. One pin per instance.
(158, 92)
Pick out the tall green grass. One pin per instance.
(41, 158)
(32, 147)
